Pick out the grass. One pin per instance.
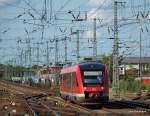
(130, 85)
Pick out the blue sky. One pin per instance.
(20, 20)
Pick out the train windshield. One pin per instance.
(93, 78)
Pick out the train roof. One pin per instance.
(89, 62)
(81, 63)
(84, 61)
(86, 65)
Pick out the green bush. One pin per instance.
(148, 88)
(131, 85)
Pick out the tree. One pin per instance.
(108, 60)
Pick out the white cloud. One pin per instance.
(96, 14)
(89, 34)
(149, 16)
(7, 2)
(97, 10)
(95, 3)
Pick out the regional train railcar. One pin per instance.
(85, 82)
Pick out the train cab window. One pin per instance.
(93, 78)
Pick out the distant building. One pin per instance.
(132, 64)
(50, 74)
(47, 72)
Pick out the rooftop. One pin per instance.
(135, 60)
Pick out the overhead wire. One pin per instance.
(64, 5)
(12, 5)
(80, 5)
(145, 6)
(97, 8)
(93, 12)
(32, 7)
(132, 8)
(51, 9)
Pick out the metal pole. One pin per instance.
(38, 53)
(94, 39)
(29, 60)
(21, 58)
(25, 58)
(29, 50)
(78, 46)
(140, 70)
(115, 53)
(56, 51)
(65, 49)
(47, 56)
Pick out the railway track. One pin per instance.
(141, 98)
(56, 106)
(35, 107)
(137, 106)
(22, 89)
(45, 103)
(35, 103)
(16, 94)
(131, 106)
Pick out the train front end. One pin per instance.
(94, 82)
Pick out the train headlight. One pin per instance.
(102, 88)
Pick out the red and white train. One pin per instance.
(85, 82)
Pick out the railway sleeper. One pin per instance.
(125, 104)
(138, 104)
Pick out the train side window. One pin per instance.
(67, 80)
(74, 80)
(64, 80)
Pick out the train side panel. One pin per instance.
(68, 85)
(71, 85)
